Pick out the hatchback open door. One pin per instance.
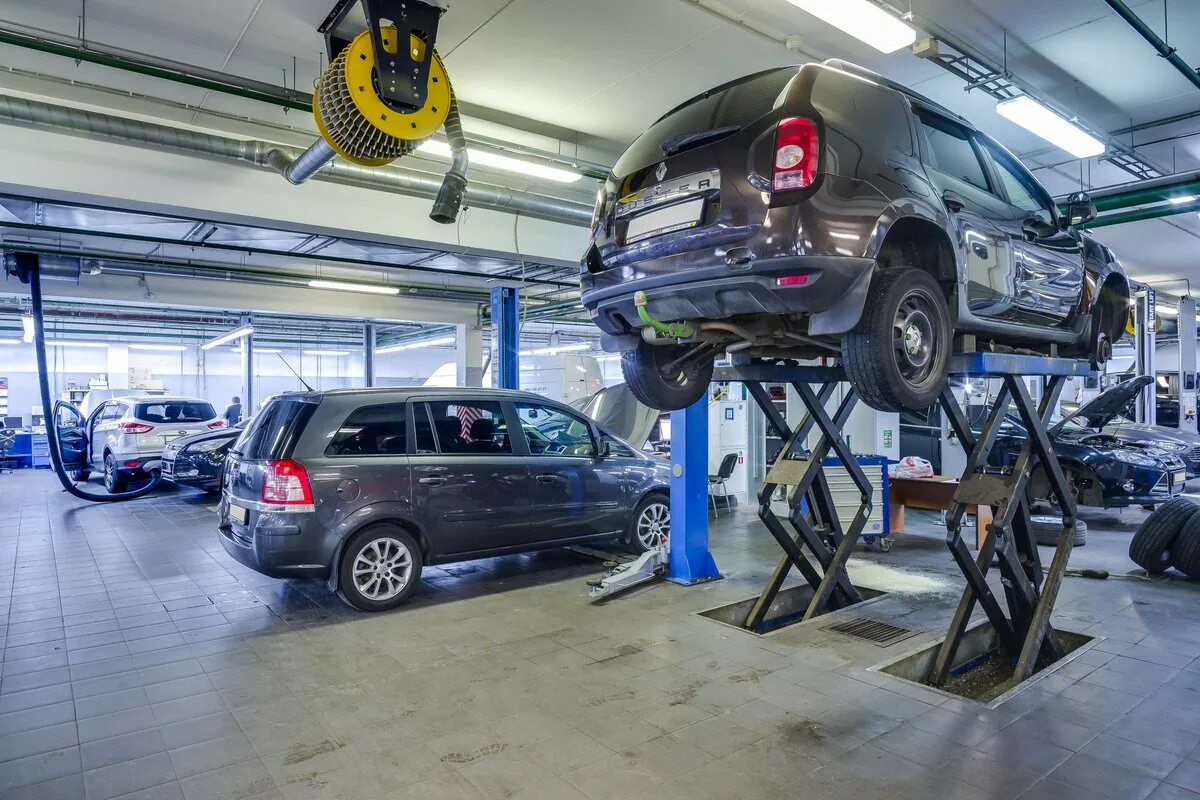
(71, 427)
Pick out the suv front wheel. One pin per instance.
(667, 377)
(380, 568)
(898, 354)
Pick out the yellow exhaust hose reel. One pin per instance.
(358, 123)
(355, 120)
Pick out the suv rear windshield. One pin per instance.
(274, 430)
(733, 105)
(169, 412)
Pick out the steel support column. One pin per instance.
(368, 354)
(689, 558)
(247, 370)
(506, 322)
(1187, 364)
(1145, 320)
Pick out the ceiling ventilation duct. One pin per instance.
(377, 102)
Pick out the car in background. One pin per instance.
(804, 212)
(1104, 471)
(126, 435)
(197, 460)
(364, 487)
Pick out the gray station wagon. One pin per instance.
(363, 487)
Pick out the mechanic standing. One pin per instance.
(233, 412)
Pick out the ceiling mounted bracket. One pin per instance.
(401, 68)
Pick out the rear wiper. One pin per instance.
(686, 140)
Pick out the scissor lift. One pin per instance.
(1022, 623)
(812, 516)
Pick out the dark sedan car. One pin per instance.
(821, 210)
(197, 460)
(1106, 471)
(363, 487)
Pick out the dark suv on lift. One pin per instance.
(364, 486)
(824, 210)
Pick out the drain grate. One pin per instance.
(874, 631)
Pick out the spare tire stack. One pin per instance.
(1170, 537)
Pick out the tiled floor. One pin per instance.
(140, 661)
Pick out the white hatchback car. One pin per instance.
(127, 434)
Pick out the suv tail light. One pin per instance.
(796, 152)
(216, 423)
(134, 427)
(286, 483)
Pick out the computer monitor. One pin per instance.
(14, 422)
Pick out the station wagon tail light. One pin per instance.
(216, 423)
(286, 483)
(796, 151)
(134, 427)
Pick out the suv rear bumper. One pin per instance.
(277, 545)
(834, 293)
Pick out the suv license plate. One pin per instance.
(1180, 478)
(677, 217)
(238, 514)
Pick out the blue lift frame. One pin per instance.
(689, 559)
(1023, 629)
(506, 319)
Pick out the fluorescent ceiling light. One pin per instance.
(561, 348)
(347, 286)
(396, 348)
(864, 21)
(63, 343)
(10, 341)
(1167, 311)
(27, 326)
(265, 351)
(1058, 131)
(326, 352)
(1187, 198)
(226, 338)
(487, 158)
(166, 348)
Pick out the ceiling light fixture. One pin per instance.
(396, 348)
(225, 338)
(486, 158)
(347, 286)
(864, 21)
(165, 348)
(334, 353)
(1057, 130)
(27, 327)
(562, 348)
(1187, 198)
(64, 343)
(1167, 311)
(10, 341)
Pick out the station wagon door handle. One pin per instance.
(545, 478)
(434, 481)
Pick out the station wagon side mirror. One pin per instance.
(1080, 209)
(605, 449)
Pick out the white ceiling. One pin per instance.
(599, 71)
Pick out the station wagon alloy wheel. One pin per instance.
(382, 569)
(654, 525)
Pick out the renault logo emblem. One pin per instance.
(661, 172)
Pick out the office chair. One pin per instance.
(724, 472)
(8, 441)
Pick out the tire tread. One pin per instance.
(1152, 543)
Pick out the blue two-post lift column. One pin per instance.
(690, 561)
(506, 321)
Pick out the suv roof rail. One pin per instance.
(871, 75)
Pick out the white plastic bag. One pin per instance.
(911, 467)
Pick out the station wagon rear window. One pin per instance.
(475, 427)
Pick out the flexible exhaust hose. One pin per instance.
(305, 165)
(39, 348)
(454, 185)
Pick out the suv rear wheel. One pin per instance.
(898, 354)
(380, 568)
(664, 378)
(114, 481)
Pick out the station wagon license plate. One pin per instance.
(677, 217)
(238, 514)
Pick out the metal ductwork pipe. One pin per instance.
(304, 166)
(1164, 50)
(93, 124)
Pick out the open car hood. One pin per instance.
(1099, 411)
(615, 408)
